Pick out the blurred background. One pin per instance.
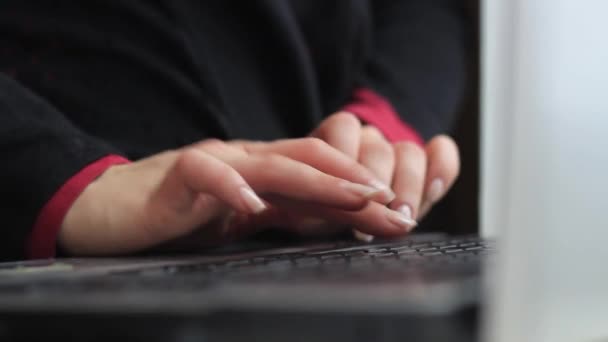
(459, 211)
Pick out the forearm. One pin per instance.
(41, 150)
(419, 61)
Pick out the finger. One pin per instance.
(202, 173)
(342, 131)
(442, 171)
(319, 155)
(292, 221)
(374, 219)
(277, 174)
(192, 190)
(408, 178)
(177, 203)
(273, 173)
(376, 154)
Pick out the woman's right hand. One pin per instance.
(209, 185)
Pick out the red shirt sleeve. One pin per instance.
(42, 240)
(375, 110)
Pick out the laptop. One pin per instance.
(544, 117)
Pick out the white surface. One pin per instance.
(496, 94)
(545, 165)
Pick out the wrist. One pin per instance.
(373, 109)
(87, 212)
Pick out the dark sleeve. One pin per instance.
(39, 151)
(418, 60)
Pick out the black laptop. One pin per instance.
(421, 288)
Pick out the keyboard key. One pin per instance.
(449, 246)
(384, 254)
(332, 256)
(407, 251)
(452, 250)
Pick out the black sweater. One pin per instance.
(83, 79)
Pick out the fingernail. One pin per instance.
(252, 201)
(403, 221)
(406, 211)
(362, 236)
(388, 194)
(360, 189)
(435, 190)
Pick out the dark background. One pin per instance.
(459, 212)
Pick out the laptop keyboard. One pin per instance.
(347, 262)
(412, 253)
(352, 262)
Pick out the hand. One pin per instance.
(419, 176)
(216, 187)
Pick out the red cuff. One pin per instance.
(43, 238)
(376, 110)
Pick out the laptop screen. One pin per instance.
(545, 122)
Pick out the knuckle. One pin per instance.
(185, 159)
(314, 145)
(269, 162)
(381, 148)
(385, 148)
(372, 132)
(213, 142)
(409, 149)
(443, 139)
(445, 143)
(190, 166)
(411, 172)
(213, 145)
(345, 120)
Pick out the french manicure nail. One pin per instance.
(435, 190)
(389, 195)
(252, 201)
(362, 236)
(406, 211)
(401, 220)
(360, 189)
